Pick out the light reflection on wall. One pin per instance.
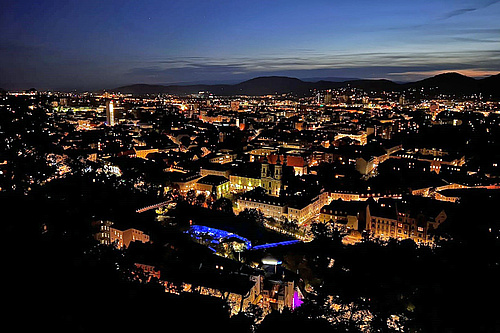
(297, 300)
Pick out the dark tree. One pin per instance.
(223, 204)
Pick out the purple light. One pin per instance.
(296, 300)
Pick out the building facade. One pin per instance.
(107, 235)
(279, 207)
(307, 209)
(404, 224)
(217, 186)
(350, 215)
(242, 183)
(271, 178)
(269, 206)
(110, 113)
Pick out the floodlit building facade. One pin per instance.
(110, 113)
(108, 235)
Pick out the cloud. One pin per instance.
(363, 65)
(472, 72)
(461, 11)
(458, 12)
(187, 73)
(477, 40)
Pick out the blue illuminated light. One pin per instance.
(216, 236)
(270, 245)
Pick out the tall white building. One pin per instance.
(110, 113)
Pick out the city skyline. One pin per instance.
(94, 45)
(241, 209)
(264, 166)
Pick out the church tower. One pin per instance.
(278, 169)
(270, 177)
(264, 170)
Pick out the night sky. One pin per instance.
(64, 45)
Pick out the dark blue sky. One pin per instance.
(104, 44)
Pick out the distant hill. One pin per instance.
(331, 79)
(374, 85)
(259, 86)
(458, 84)
(447, 83)
(490, 86)
(271, 85)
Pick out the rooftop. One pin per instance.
(213, 180)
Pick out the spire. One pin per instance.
(264, 171)
(278, 169)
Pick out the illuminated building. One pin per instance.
(215, 169)
(243, 183)
(294, 158)
(149, 270)
(328, 98)
(110, 113)
(143, 153)
(351, 215)
(435, 158)
(222, 158)
(102, 231)
(257, 154)
(215, 279)
(273, 290)
(359, 136)
(185, 181)
(390, 221)
(134, 235)
(278, 207)
(235, 105)
(212, 118)
(271, 178)
(365, 165)
(346, 196)
(303, 210)
(278, 294)
(108, 235)
(270, 206)
(402, 100)
(434, 109)
(217, 186)
(434, 192)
